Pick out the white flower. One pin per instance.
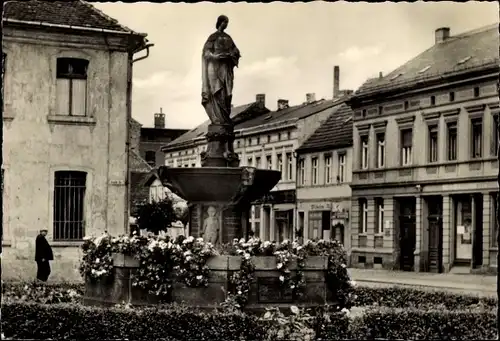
(352, 283)
(267, 315)
(239, 251)
(242, 240)
(239, 292)
(87, 238)
(345, 311)
(97, 260)
(199, 277)
(279, 265)
(282, 278)
(199, 240)
(187, 253)
(266, 244)
(247, 256)
(294, 309)
(343, 265)
(188, 258)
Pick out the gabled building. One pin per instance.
(323, 184)
(67, 105)
(266, 140)
(425, 161)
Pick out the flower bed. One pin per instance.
(145, 270)
(22, 320)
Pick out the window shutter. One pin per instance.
(79, 99)
(62, 95)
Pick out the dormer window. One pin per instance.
(71, 86)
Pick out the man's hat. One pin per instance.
(44, 230)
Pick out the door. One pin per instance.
(435, 243)
(477, 247)
(407, 242)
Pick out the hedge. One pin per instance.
(23, 320)
(401, 297)
(421, 324)
(394, 297)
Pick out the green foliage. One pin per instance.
(156, 216)
(23, 320)
(402, 297)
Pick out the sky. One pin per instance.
(288, 49)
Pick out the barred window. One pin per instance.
(69, 203)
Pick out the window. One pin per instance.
(249, 161)
(328, 168)
(406, 146)
(433, 100)
(495, 135)
(258, 140)
(269, 162)
(268, 138)
(302, 171)
(477, 93)
(288, 135)
(380, 150)
(364, 152)
(341, 176)
(433, 143)
(238, 144)
(193, 165)
(406, 105)
(363, 216)
(494, 219)
(452, 141)
(279, 136)
(250, 141)
(315, 224)
(314, 162)
(257, 162)
(363, 112)
(380, 110)
(451, 96)
(69, 205)
(71, 86)
(280, 165)
(289, 166)
(477, 136)
(379, 215)
(151, 157)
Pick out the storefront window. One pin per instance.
(463, 230)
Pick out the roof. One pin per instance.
(161, 134)
(202, 129)
(69, 13)
(465, 52)
(137, 163)
(335, 132)
(289, 114)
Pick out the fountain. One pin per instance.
(219, 195)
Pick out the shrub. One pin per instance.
(401, 297)
(421, 324)
(156, 216)
(42, 292)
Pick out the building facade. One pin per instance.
(323, 184)
(67, 92)
(425, 199)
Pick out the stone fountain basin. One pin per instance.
(219, 184)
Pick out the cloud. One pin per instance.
(356, 53)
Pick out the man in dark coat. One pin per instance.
(43, 254)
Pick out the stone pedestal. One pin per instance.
(220, 151)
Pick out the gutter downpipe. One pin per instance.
(131, 61)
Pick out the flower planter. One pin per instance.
(121, 260)
(265, 290)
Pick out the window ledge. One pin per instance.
(71, 120)
(7, 117)
(66, 243)
(379, 234)
(7, 243)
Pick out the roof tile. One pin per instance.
(458, 53)
(70, 12)
(336, 132)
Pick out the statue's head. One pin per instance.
(222, 22)
(211, 211)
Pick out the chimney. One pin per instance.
(282, 104)
(160, 120)
(442, 34)
(336, 81)
(310, 97)
(261, 100)
(380, 74)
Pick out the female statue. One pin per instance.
(220, 56)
